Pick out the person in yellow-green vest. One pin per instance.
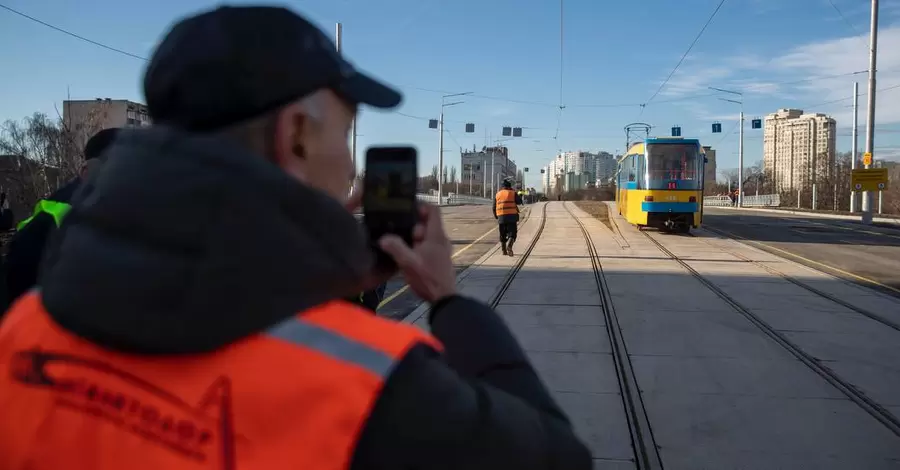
(26, 248)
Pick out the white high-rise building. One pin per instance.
(798, 148)
(604, 168)
(574, 170)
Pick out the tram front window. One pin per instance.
(673, 166)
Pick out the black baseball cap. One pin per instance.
(99, 142)
(233, 63)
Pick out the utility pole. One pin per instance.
(483, 175)
(870, 115)
(338, 33)
(855, 142)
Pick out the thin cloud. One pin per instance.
(844, 56)
(723, 73)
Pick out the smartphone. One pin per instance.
(389, 195)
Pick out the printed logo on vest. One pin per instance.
(204, 432)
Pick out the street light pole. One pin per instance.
(870, 115)
(855, 139)
(740, 183)
(441, 157)
(338, 39)
(441, 143)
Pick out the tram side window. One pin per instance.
(640, 169)
(628, 169)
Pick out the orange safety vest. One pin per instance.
(506, 202)
(294, 397)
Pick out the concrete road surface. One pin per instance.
(865, 255)
(660, 345)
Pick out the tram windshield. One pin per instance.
(674, 166)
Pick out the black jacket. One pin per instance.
(369, 299)
(163, 254)
(27, 247)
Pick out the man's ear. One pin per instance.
(298, 122)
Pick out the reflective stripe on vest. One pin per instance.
(302, 333)
(297, 396)
(55, 209)
(506, 202)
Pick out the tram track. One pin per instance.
(507, 282)
(825, 295)
(849, 390)
(646, 452)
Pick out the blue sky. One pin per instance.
(799, 53)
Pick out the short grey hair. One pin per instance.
(257, 133)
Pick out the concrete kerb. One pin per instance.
(583, 214)
(818, 215)
(613, 213)
(614, 232)
(422, 309)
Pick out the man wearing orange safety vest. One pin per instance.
(506, 211)
(189, 311)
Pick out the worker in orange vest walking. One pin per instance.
(183, 324)
(506, 211)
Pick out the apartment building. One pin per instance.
(105, 113)
(84, 118)
(798, 148)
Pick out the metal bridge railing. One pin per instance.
(762, 200)
(454, 199)
(717, 201)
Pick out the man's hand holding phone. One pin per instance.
(405, 233)
(427, 265)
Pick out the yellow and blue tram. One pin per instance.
(660, 184)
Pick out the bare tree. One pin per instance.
(729, 175)
(41, 154)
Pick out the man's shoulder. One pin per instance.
(66, 192)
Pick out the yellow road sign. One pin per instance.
(872, 179)
(867, 158)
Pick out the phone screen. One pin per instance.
(389, 197)
(393, 187)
